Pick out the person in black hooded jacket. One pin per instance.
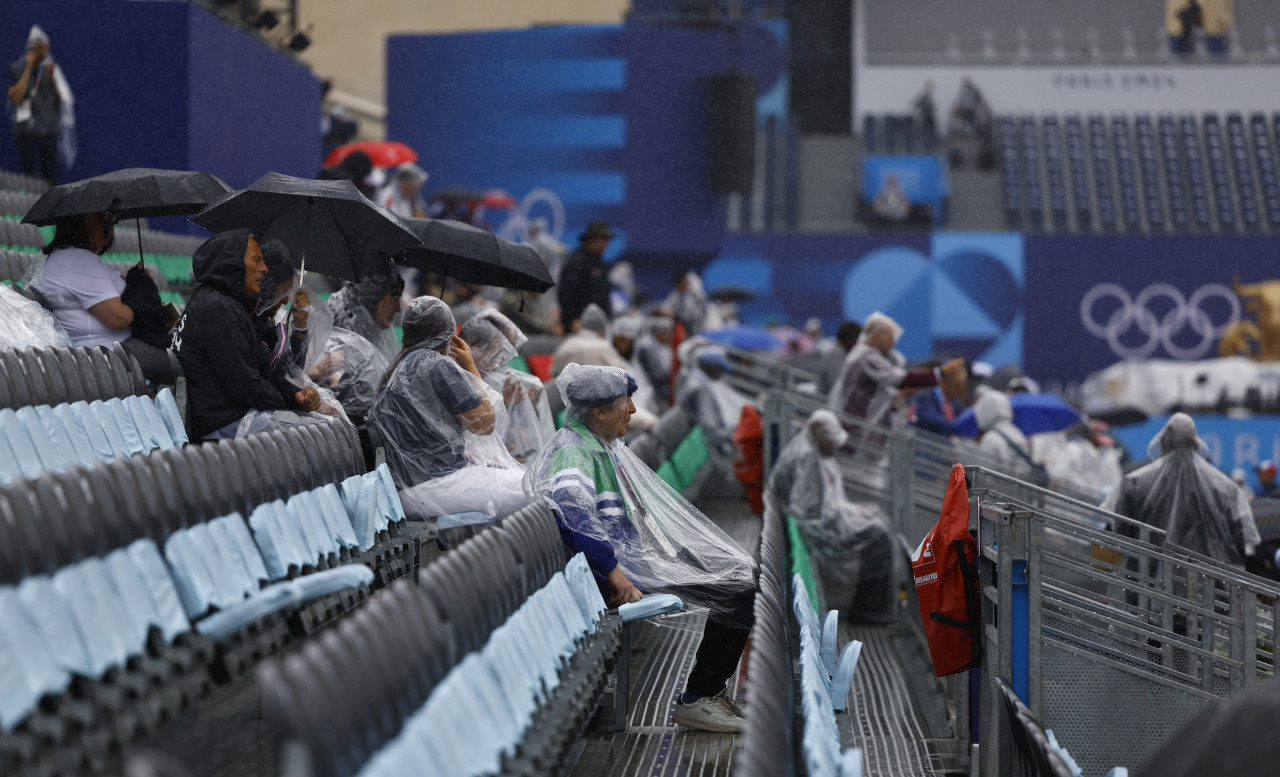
(225, 361)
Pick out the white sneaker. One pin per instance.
(717, 713)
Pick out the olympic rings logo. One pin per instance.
(1184, 317)
(516, 227)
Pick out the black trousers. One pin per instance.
(39, 154)
(722, 645)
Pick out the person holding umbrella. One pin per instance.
(225, 361)
(87, 296)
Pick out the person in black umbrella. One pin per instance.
(287, 348)
(225, 361)
(92, 301)
(584, 279)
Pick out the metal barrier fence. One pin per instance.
(1114, 640)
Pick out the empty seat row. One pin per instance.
(455, 670)
(20, 182)
(825, 679)
(53, 376)
(14, 264)
(20, 236)
(44, 438)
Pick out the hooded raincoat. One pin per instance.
(850, 543)
(226, 364)
(1198, 506)
(1000, 437)
(494, 341)
(353, 306)
(616, 511)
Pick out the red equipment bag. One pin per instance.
(946, 575)
(748, 465)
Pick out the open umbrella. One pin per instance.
(131, 193)
(1032, 413)
(745, 338)
(733, 294)
(328, 226)
(457, 194)
(472, 255)
(382, 153)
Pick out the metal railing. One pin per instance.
(1114, 640)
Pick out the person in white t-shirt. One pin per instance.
(85, 293)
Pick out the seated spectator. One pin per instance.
(468, 300)
(432, 395)
(851, 544)
(1267, 479)
(369, 307)
(871, 378)
(352, 368)
(287, 347)
(226, 364)
(999, 436)
(713, 404)
(687, 302)
(403, 195)
(626, 330)
(494, 341)
(833, 362)
(938, 407)
(589, 345)
(88, 297)
(1180, 492)
(641, 537)
(654, 354)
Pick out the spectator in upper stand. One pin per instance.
(86, 295)
(41, 100)
(833, 362)
(1191, 500)
(357, 168)
(550, 250)
(1267, 479)
(1000, 437)
(654, 355)
(402, 195)
(226, 364)
(925, 110)
(585, 279)
(589, 345)
(687, 302)
(626, 330)
(432, 394)
(494, 340)
(287, 347)
(713, 405)
(938, 407)
(369, 307)
(468, 300)
(871, 377)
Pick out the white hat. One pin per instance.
(36, 37)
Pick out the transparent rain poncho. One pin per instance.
(427, 401)
(25, 323)
(1000, 437)
(1198, 506)
(494, 341)
(714, 404)
(849, 541)
(614, 509)
(352, 368)
(353, 305)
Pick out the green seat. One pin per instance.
(519, 364)
(560, 420)
(800, 563)
(669, 476)
(168, 295)
(690, 455)
(175, 269)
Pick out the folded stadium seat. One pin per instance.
(281, 555)
(151, 426)
(121, 359)
(167, 408)
(84, 367)
(235, 461)
(216, 484)
(157, 485)
(51, 384)
(21, 391)
(25, 453)
(690, 455)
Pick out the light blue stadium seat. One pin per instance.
(583, 582)
(56, 623)
(28, 670)
(167, 407)
(280, 548)
(24, 448)
(649, 606)
(166, 603)
(507, 659)
(331, 581)
(10, 470)
(102, 413)
(830, 625)
(139, 606)
(84, 418)
(391, 507)
(123, 416)
(234, 528)
(335, 515)
(271, 599)
(361, 502)
(232, 579)
(191, 574)
(90, 594)
(294, 527)
(308, 516)
(503, 733)
(57, 422)
(41, 423)
(150, 425)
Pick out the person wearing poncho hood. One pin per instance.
(1198, 506)
(430, 398)
(225, 361)
(640, 536)
(369, 307)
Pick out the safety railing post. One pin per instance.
(901, 486)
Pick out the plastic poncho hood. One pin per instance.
(613, 508)
(427, 324)
(594, 319)
(992, 407)
(494, 340)
(585, 387)
(1198, 507)
(353, 305)
(219, 263)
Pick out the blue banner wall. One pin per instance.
(1094, 300)
(164, 84)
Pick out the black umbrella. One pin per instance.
(457, 194)
(733, 294)
(472, 255)
(329, 225)
(132, 193)
(1120, 416)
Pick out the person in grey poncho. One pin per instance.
(494, 341)
(640, 536)
(851, 544)
(1197, 505)
(369, 307)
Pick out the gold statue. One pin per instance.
(1257, 337)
